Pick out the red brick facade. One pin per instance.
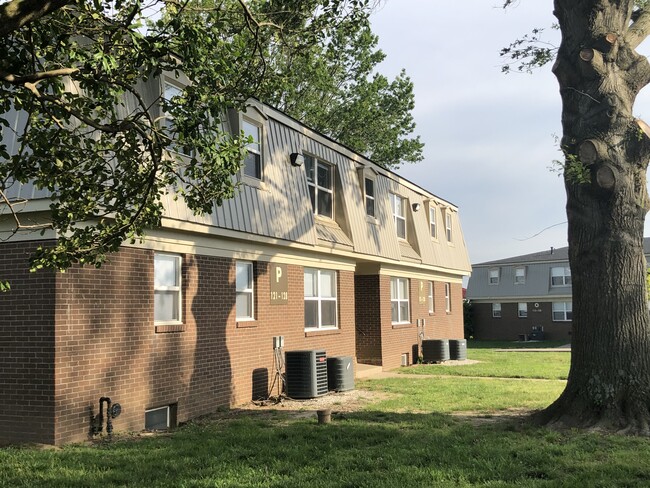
(380, 342)
(26, 349)
(509, 327)
(71, 338)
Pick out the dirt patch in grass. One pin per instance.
(344, 401)
(515, 415)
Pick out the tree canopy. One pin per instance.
(334, 88)
(90, 135)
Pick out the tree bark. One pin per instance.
(600, 75)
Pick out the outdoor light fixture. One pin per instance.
(416, 207)
(297, 159)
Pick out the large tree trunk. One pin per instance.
(606, 151)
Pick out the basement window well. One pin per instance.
(160, 418)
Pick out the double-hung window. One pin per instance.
(399, 300)
(493, 276)
(432, 222)
(167, 289)
(562, 311)
(448, 225)
(245, 301)
(522, 310)
(431, 302)
(369, 186)
(520, 275)
(496, 310)
(253, 161)
(399, 214)
(561, 276)
(320, 299)
(320, 179)
(171, 91)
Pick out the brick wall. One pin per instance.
(510, 326)
(368, 319)
(26, 349)
(106, 344)
(380, 342)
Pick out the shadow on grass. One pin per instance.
(360, 449)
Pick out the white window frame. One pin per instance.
(448, 227)
(255, 148)
(494, 276)
(448, 297)
(168, 119)
(398, 216)
(370, 199)
(174, 290)
(432, 222)
(397, 301)
(520, 275)
(167, 408)
(312, 182)
(522, 310)
(248, 290)
(562, 311)
(496, 310)
(432, 304)
(563, 275)
(319, 298)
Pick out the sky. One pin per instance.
(490, 138)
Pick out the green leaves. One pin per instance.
(333, 87)
(96, 139)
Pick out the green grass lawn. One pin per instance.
(420, 432)
(503, 364)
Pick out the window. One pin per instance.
(320, 299)
(432, 221)
(370, 196)
(156, 419)
(448, 225)
(496, 310)
(171, 91)
(253, 161)
(431, 302)
(520, 276)
(493, 276)
(167, 288)
(562, 311)
(561, 276)
(399, 214)
(522, 310)
(399, 300)
(245, 292)
(161, 418)
(447, 297)
(320, 179)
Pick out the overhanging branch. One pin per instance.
(639, 30)
(18, 13)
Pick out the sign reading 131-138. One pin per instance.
(279, 284)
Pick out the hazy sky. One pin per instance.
(489, 137)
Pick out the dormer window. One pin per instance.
(369, 187)
(432, 222)
(253, 162)
(171, 91)
(448, 225)
(320, 179)
(398, 205)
